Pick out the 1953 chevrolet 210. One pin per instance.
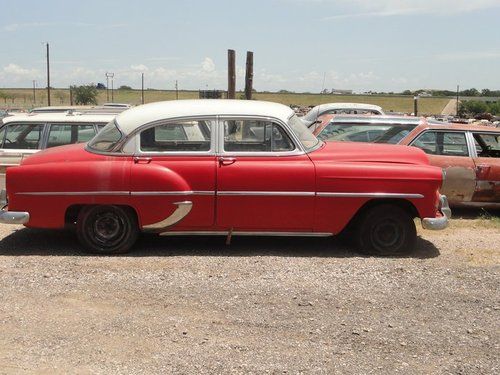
(225, 167)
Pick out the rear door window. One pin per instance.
(64, 134)
(22, 136)
(442, 143)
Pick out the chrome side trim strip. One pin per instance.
(241, 233)
(75, 193)
(369, 195)
(229, 193)
(270, 193)
(183, 208)
(182, 192)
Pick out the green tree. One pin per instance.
(125, 87)
(85, 94)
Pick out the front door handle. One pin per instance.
(226, 161)
(142, 160)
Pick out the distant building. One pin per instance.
(341, 92)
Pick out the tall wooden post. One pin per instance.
(231, 74)
(142, 88)
(249, 76)
(48, 76)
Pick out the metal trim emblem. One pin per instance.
(183, 208)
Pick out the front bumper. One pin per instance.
(11, 217)
(439, 223)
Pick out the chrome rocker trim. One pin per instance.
(183, 208)
(442, 222)
(242, 233)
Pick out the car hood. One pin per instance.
(68, 153)
(350, 152)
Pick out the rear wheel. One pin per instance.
(386, 230)
(107, 229)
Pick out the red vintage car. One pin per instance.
(225, 167)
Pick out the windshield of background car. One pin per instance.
(379, 133)
(308, 140)
(107, 138)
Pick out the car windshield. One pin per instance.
(107, 138)
(308, 140)
(382, 133)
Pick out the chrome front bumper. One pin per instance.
(11, 217)
(439, 223)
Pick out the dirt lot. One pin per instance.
(194, 305)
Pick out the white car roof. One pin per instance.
(147, 113)
(328, 106)
(59, 117)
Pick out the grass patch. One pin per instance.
(23, 98)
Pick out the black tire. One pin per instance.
(386, 230)
(107, 229)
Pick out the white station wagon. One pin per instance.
(26, 134)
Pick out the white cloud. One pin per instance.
(385, 8)
(17, 74)
(208, 65)
(16, 26)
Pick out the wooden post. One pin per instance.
(142, 88)
(231, 74)
(48, 76)
(249, 76)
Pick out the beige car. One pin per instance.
(23, 135)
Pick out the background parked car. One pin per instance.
(340, 108)
(469, 154)
(23, 135)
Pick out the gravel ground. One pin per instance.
(261, 305)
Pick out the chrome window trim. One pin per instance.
(220, 146)
(213, 132)
(471, 145)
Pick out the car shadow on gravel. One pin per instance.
(26, 241)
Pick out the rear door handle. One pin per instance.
(226, 161)
(142, 160)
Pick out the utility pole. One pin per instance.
(176, 90)
(249, 76)
(48, 74)
(415, 105)
(34, 90)
(231, 74)
(112, 88)
(70, 95)
(458, 91)
(108, 76)
(142, 88)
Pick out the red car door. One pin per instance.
(264, 182)
(449, 150)
(173, 175)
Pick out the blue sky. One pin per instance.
(299, 45)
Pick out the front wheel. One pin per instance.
(107, 229)
(386, 230)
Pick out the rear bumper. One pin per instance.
(439, 223)
(11, 217)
